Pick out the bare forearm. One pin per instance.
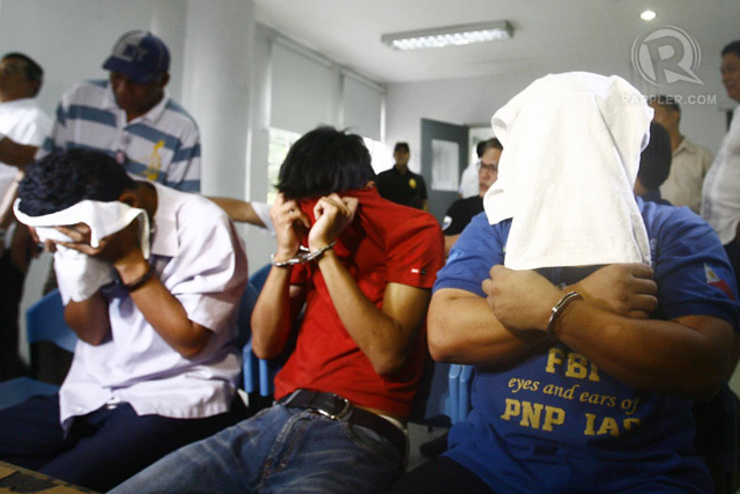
(6, 204)
(669, 357)
(238, 210)
(164, 312)
(380, 337)
(272, 315)
(653, 355)
(463, 329)
(89, 319)
(13, 153)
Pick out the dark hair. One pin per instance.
(323, 161)
(62, 179)
(733, 47)
(491, 143)
(401, 146)
(480, 148)
(34, 72)
(668, 102)
(655, 160)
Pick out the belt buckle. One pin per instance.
(342, 413)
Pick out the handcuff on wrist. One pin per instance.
(303, 256)
(557, 310)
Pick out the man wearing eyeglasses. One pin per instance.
(23, 127)
(462, 211)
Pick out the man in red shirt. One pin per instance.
(361, 268)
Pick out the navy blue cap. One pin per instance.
(139, 55)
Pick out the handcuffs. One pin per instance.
(303, 256)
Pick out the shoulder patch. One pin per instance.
(716, 281)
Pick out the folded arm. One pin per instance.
(687, 356)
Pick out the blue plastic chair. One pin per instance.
(258, 373)
(244, 316)
(44, 322)
(432, 402)
(250, 370)
(460, 380)
(257, 279)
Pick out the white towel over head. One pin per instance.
(572, 146)
(80, 275)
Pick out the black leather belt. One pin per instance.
(334, 407)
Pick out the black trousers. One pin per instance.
(440, 475)
(103, 448)
(11, 291)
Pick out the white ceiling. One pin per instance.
(553, 35)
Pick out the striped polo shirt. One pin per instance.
(162, 145)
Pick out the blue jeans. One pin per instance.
(278, 450)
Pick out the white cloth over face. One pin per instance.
(80, 274)
(572, 146)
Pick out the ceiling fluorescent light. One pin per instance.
(451, 35)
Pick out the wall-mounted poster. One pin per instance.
(444, 165)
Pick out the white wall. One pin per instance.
(259, 245)
(473, 101)
(71, 39)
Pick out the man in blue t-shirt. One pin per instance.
(587, 366)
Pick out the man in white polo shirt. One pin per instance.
(24, 127)
(157, 363)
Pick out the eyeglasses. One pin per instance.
(489, 168)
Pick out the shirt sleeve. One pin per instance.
(480, 247)
(691, 268)
(184, 171)
(34, 131)
(209, 272)
(57, 136)
(415, 252)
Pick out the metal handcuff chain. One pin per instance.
(303, 256)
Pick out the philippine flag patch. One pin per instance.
(718, 282)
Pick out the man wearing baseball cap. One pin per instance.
(131, 118)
